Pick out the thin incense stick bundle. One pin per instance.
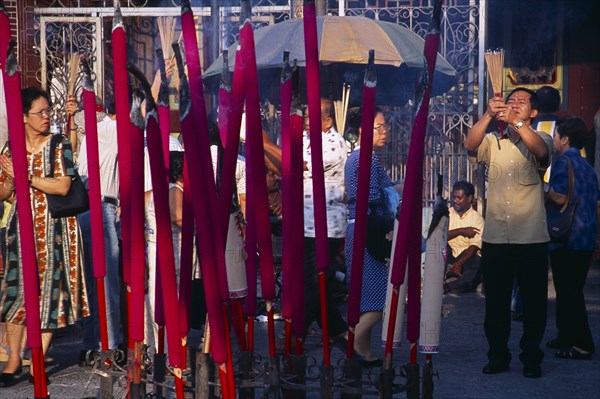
(494, 59)
(166, 31)
(73, 71)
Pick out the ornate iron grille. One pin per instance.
(61, 39)
(450, 115)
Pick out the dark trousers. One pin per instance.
(569, 270)
(470, 277)
(500, 264)
(337, 324)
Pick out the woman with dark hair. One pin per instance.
(59, 253)
(570, 261)
(375, 272)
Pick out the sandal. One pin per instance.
(573, 354)
(553, 344)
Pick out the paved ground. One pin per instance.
(459, 363)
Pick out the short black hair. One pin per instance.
(327, 109)
(549, 99)
(109, 106)
(175, 166)
(534, 100)
(575, 129)
(465, 186)
(30, 94)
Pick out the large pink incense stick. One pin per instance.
(16, 130)
(255, 155)
(199, 142)
(412, 198)
(164, 119)
(233, 114)
(224, 98)
(205, 241)
(287, 213)
(313, 89)
(96, 219)
(233, 273)
(137, 234)
(121, 95)
(186, 259)
(297, 234)
(362, 198)
(162, 106)
(160, 192)
(292, 200)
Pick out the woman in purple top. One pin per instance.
(570, 260)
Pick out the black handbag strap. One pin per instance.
(571, 184)
(57, 138)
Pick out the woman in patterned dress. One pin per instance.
(59, 253)
(375, 272)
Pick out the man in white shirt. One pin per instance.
(151, 336)
(334, 160)
(464, 239)
(109, 188)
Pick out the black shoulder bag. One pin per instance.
(560, 218)
(77, 200)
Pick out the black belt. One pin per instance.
(110, 200)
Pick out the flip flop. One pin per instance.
(573, 354)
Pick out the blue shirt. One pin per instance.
(584, 228)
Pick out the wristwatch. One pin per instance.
(519, 124)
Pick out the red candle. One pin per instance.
(186, 259)
(166, 261)
(255, 156)
(96, 219)
(362, 192)
(136, 217)
(121, 95)
(286, 237)
(198, 142)
(313, 89)
(201, 207)
(412, 198)
(224, 98)
(162, 106)
(16, 129)
(297, 233)
(233, 114)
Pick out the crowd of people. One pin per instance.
(511, 245)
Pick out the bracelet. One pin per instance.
(9, 189)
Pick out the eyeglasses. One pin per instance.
(45, 113)
(381, 128)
